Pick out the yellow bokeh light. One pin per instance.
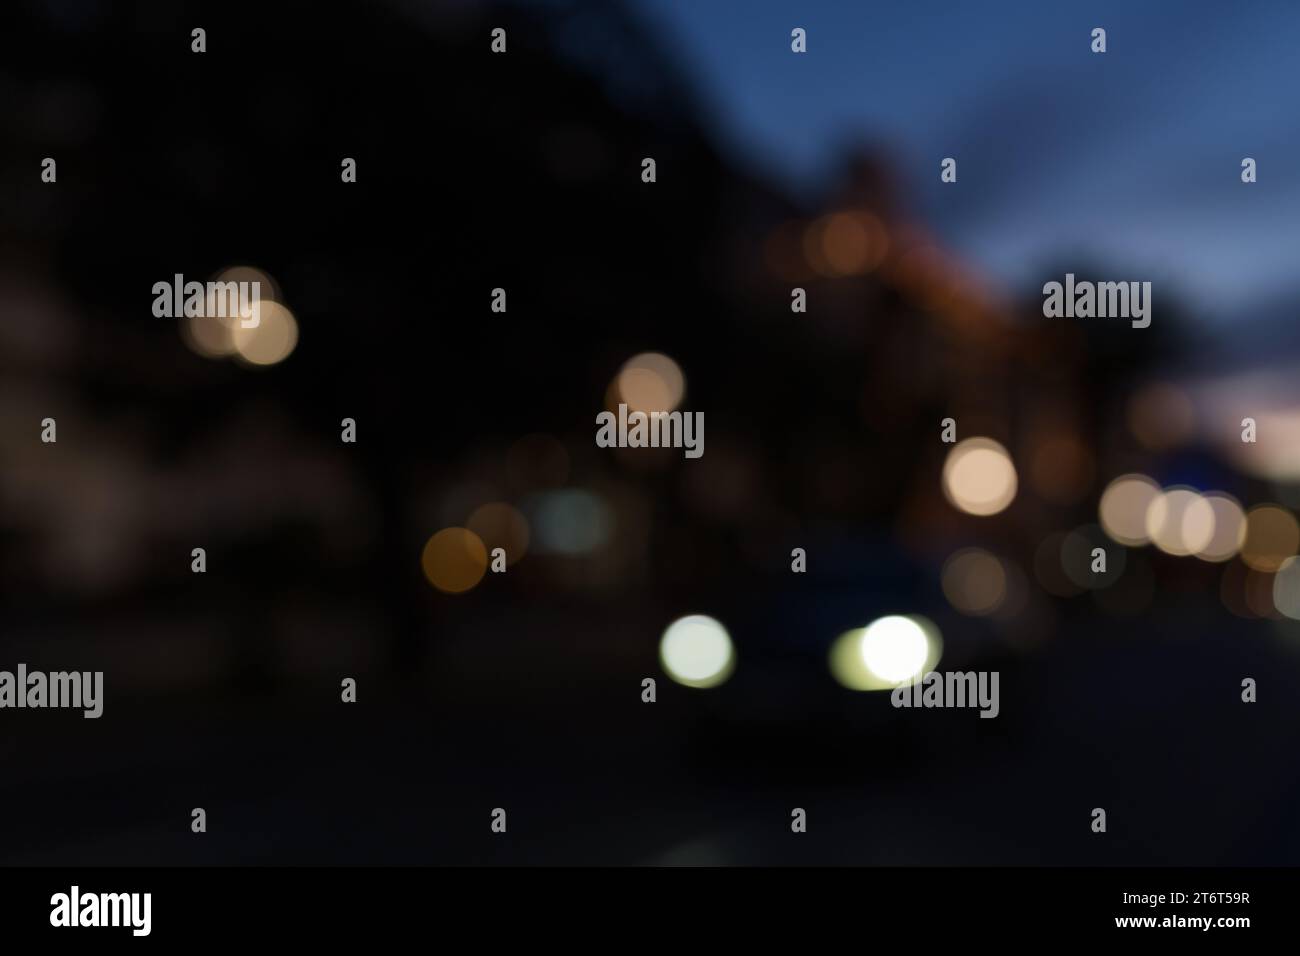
(889, 652)
(454, 560)
(978, 477)
(211, 336)
(650, 382)
(1123, 508)
(1272, 536)
(1229, 528)
(696, 651)
(1180, 522)
(846, 243)
(271, 340)
(267, 288)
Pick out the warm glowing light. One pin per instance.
(271, 340)
(454, 560)
(1229, 528)
(978, 477)
(847, 665)
(1180, 522)
(697, 651)
(890, 651)
(895, 649)
(1123, 508)
(974, 582)
(267, 287)
(650, 382)
(212, 335)
(846, 243)
(1272, 536)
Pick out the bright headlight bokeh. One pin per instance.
(888, 652)
(696, 651)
